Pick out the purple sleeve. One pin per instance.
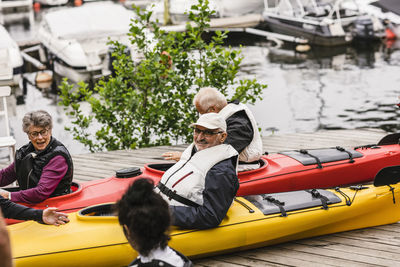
(51, 176)
(7, 175)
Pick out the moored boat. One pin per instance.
(323, 23)
(285, 171)
(94, 237)
(76, 39)
(11, 62)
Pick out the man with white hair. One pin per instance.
(243, 134)
(201, 186)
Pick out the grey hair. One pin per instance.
(38, 118)
(208, 97)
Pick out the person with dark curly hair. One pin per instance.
(145, 219)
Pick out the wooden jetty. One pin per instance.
(376, 246)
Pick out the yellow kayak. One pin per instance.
(94, 237)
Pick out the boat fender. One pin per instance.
(316, 194)
(128, 172)
(277, 203)
(341, 149)
(303, 151)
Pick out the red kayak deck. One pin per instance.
(278, 173)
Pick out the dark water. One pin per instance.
(333, 88)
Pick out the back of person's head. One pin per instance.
(209, 97)
(144, 214)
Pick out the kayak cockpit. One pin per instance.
(160, 168)
(102, 211)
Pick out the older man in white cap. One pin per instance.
(243, 134)
(201, 186)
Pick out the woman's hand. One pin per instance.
(5, 193)
(52, 216)
(172, 155)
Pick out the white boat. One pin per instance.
(75, 39)
(179, 9)
(139, 3)
(321, 22)
(7, 5)
(386, 10)
(52, 2)
(11, 62)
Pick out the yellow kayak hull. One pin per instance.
(99, 240)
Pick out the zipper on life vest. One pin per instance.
(177, 170)
(27, 180)
(183, 177)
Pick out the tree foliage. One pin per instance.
(149, 102)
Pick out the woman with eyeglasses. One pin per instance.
(43, 168)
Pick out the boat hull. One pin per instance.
(99, 240)
(320, 35)
(279, 173)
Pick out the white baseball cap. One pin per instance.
(211, 121)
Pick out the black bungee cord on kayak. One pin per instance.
(244, 205)
(305, 152)
(346, 197)
(316, 194)
(341, 149)
(277, 203)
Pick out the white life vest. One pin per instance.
(253, 151)
(187, 177)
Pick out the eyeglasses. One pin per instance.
(43, 133)
(206, 133)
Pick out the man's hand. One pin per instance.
(51, 216)
(5, 193)
(172, 155)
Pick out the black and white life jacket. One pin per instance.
(187, 177)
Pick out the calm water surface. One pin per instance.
(335, 88)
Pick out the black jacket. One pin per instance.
(29, 168)
(13, 210)
(239, 129)
(221, 185)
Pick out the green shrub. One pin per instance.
(149, 102)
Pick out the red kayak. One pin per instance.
(284, 171)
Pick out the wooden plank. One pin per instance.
(243, 261)
(360, 248)
(285, 256)
(219, 263)
(334, 239)
(373, 235)
(315, 251)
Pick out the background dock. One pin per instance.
(376, 246)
